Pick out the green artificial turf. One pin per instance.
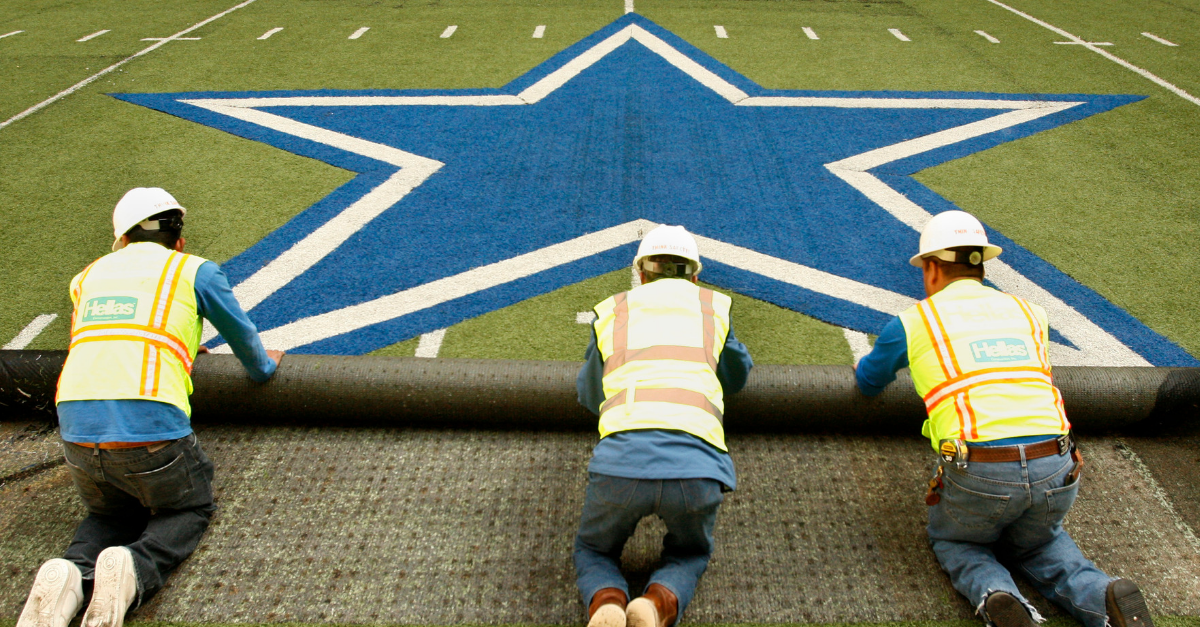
(1111, 200)
(545, 327)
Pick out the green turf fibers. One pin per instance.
(1111, 200)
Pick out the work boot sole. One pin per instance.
(1005, 610)
(608, 615)
(111, 596)
(56, 596)
(641, 613)
(1126, 605)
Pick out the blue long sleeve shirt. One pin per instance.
(890, 353)
(136, 420)
(662, 453)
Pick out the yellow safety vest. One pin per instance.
(979, 358)
(135, 330)
(660, 343)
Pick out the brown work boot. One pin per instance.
(657, 608)
(1126, 606)
(1005, 610)
(607, 608)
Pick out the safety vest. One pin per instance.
(979, 358)
(660, 343)
(135, 330)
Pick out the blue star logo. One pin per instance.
(467, 201)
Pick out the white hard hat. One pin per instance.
(138, 204)
(948, 230)
(668, 240)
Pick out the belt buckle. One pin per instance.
(1064, 444)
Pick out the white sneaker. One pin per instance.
(641, 613)
(116, 587)
(56, 596)
(608, 615)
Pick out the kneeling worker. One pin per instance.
(124, 414)
(661, 358)
(1008, 469)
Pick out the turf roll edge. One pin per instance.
(482, 393)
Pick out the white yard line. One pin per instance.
(899, 35)
(629, 6)
(1159, 39)
(359, 33)
(859, 344)
(539, 32)
(93, 35)
(585, 317)
(31, 331)
(449, 31)
(270, 32)
(1156, 489)
(1104, 53)
(721, 34)
(987, 36)
(170, 39)
(85, 82)
(810, 33)
(430, 344)
(16, 32)
(1084, 43)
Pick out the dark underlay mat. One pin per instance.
(442, 527)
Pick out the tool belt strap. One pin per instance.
(1058, 446)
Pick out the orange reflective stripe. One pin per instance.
(162, 294)
(985, 377)
(710, 326)
(936, 339)
(944, 338)
(677, 353)
(157, 372)
(147, 354)
(79, 293)
(964, 415)
(677, 396)
(1035, 328)
(176, 274)
(135, 333)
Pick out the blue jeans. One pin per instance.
(155, 501)
(611, 511)
(1014, 511)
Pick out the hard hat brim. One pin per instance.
(989, 252)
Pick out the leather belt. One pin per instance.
(1058, 446)
(115, 445)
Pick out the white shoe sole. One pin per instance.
(56, 596)
(116, 586)
(609, 615)
(641, 613)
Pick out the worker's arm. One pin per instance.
(733, 364)
(216, 303)
(875, 371)
(589, 385)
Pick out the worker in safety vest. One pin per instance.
(1008, 469)
(124, 415)
(661, 359)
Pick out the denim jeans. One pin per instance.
(156, 502)
(611, 511)
(1013, 511)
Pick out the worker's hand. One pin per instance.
(202, 350)
(276, 356)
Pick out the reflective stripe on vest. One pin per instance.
(987, 402)
(669, 385)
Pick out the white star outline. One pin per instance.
(1095, 345)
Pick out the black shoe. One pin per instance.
(1005, 610)
(1126, 606)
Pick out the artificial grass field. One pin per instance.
(1111, 200)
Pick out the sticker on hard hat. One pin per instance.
(801, 198)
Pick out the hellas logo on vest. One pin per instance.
(1007, 349)
(107, 308)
